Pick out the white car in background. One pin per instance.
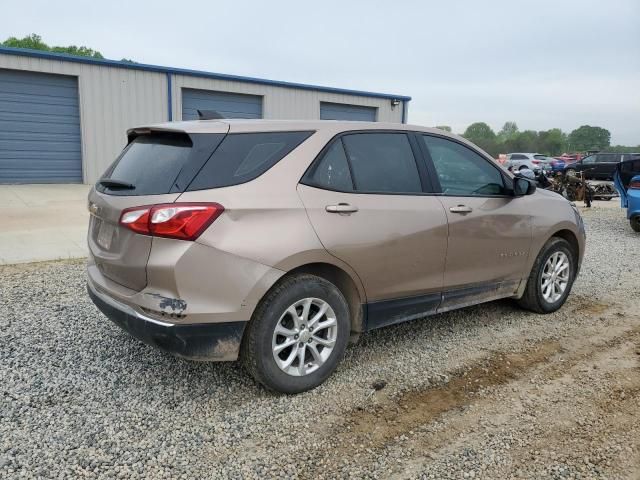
(532, 161)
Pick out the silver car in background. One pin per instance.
(533, 161)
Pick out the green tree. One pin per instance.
(35, 42)
(446, 128)
(481, 134)
(552, 142)
(587, 137)
(508, 132)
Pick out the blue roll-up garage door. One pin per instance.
(341, 111)
(229, 105)
(39, 128)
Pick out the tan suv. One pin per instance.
(277, 242)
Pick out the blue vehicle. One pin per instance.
(627, 182)
(556, 164)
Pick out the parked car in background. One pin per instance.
(627, 182)
(598, 166)
(276, 242)
(520, 161)
(551, 164)
(568, 158)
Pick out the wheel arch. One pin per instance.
(349, 287)
(560, 231)
(571, 239)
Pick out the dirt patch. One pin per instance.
(573, 402)
(386, 421)
(587, 306)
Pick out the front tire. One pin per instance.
(551, 277)
(635, 223)
(298, 334)
(570, 172)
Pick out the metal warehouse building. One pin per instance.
(63, 119)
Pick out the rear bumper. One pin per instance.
(202, 341)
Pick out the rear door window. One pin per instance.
(242, 157)
(382, 163)
(461, 171)
(332, 171)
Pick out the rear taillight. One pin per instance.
(182, 221)
(635, 185)
(535, 162)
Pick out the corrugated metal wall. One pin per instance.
(113, 99)
(282, 102)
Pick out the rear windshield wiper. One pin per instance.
(110, 183)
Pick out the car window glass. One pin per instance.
(332, 172)
(462, 171)
(242, 157)
(589, 159)
(382, 162)
(151, 163)
(631, 166)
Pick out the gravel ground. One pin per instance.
(485, 392)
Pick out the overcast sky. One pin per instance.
(542, 64)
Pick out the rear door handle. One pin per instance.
(461, 209)
(341, 208)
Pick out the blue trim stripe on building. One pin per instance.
(169, 98)
(194, 73)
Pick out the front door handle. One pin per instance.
(461, 209)
(341, 208)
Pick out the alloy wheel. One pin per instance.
(555, 277)
(304, 336)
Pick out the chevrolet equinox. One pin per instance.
(276, 242)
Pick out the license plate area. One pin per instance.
(105, 235)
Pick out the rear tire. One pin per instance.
(635, 223)
(295, 308)
(549, 283)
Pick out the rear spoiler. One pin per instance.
(209, 115)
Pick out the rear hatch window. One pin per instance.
(172, 162)
(158, 163)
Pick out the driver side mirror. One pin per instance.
(522, 186)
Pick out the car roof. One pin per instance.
(331, 127)
(255, 125)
